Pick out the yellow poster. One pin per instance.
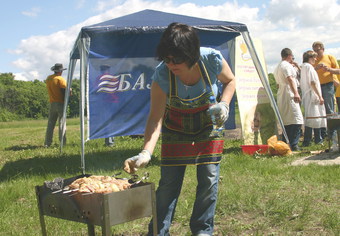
(257, 116)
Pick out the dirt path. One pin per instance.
(319, 157)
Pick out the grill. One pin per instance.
(96, 209)
(333, 123)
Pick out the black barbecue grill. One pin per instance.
(333, 123)
(96, 209)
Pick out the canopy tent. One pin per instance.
(117, 59)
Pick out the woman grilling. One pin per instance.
(181, 92)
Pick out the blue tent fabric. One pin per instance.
(153, 23)
(156, 21)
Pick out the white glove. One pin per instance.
(221, 113)
(142, 159)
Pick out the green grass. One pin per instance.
(257, 196)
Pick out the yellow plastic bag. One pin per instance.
(276, 147)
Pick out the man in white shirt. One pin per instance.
(288, 98)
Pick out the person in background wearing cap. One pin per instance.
(56, 86)
(327, 79)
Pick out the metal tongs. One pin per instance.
(135, 178)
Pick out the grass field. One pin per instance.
(257, 196)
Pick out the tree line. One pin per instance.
(29, 99)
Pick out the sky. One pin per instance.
(38, 33)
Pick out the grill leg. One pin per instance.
(90, 230)
(154, 211)
(106, 229)
(43, 225)
(338, 132)
(41, 213)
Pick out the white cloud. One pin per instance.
(285, 23)
(104, 5)
(39, 53)
(26, 75)
(303, 13)
(297, 24)
(33, 12)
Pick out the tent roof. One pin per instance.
(157, 21)
(150, 21)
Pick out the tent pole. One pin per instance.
(264, 80)
(71, 67)
(83, 73)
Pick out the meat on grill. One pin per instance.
(99, 184)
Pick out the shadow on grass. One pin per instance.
(22, 147)
(65, 164)
(232, 150)
(324, 156)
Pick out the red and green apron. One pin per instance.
(187, 126)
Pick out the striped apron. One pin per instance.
(187, 127)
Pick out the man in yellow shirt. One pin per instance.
(56, 86)
(327, 79)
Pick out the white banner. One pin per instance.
(257, 116)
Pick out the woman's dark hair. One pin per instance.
(307, 55)
(179, 40)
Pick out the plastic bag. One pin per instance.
(277, 147)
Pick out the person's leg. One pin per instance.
(317, 136)
(307, 136)
(167, 194)
(60, 110)
(328, 96)
(202, 218)
(52, 119)
(110, 141)
(293, 133)
(323, 132)
(287, 129)
(338, 103)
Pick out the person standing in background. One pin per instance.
(312, 100)
(56, 86)
(288, 98)
(327, 80)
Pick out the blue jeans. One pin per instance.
(109, 141)
(293, 133)
(328, 96)
(308, 136)
(170, 185)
